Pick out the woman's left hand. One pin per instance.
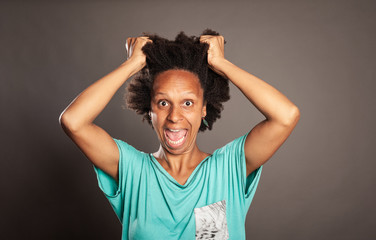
(216, 51)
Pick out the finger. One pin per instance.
(139, 42)
(204, 40)
(147, 40)
(144, 38)
(127, 47)
(127, 44)
(221, 38)
(130, 43)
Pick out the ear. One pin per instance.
(149, 115)
(204, 110)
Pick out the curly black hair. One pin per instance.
(184, 53)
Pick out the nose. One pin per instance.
(174, 115)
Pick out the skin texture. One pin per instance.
(281, 115)
(177, 103)
(77, 119)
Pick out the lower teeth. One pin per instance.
(176, 142)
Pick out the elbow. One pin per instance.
(66, 122)
(292, 117)
(63, 121)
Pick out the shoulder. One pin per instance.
(235, 146)
(128, 154)
(126, 147)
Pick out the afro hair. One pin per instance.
(184, 53)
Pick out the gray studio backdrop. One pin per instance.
(321, 54)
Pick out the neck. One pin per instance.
(180, 162)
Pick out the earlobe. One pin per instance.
(204, 110)
(151, 120)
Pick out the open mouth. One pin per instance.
(175, 137)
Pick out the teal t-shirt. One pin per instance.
(151, 204)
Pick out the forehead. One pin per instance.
(177, 81)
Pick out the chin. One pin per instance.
(175, 149)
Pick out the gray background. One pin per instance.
(321, 54)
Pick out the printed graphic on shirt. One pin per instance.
(211, 221)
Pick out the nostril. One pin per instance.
(174, 115)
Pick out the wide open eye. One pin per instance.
(163, 103)
(188, 103)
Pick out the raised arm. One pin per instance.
(281, 114)
(77, 119)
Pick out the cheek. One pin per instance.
(195, 118)
(157, 118)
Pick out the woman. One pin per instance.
(180, 192)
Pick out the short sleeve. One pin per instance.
(113, 190)
(237, 164)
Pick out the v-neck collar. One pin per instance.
(173, 180)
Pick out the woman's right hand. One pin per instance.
(134, 50)
(77, 119)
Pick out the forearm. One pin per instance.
(90, 103)
(269, 101)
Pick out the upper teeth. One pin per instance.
(173, 130)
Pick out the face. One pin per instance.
(177, 108)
